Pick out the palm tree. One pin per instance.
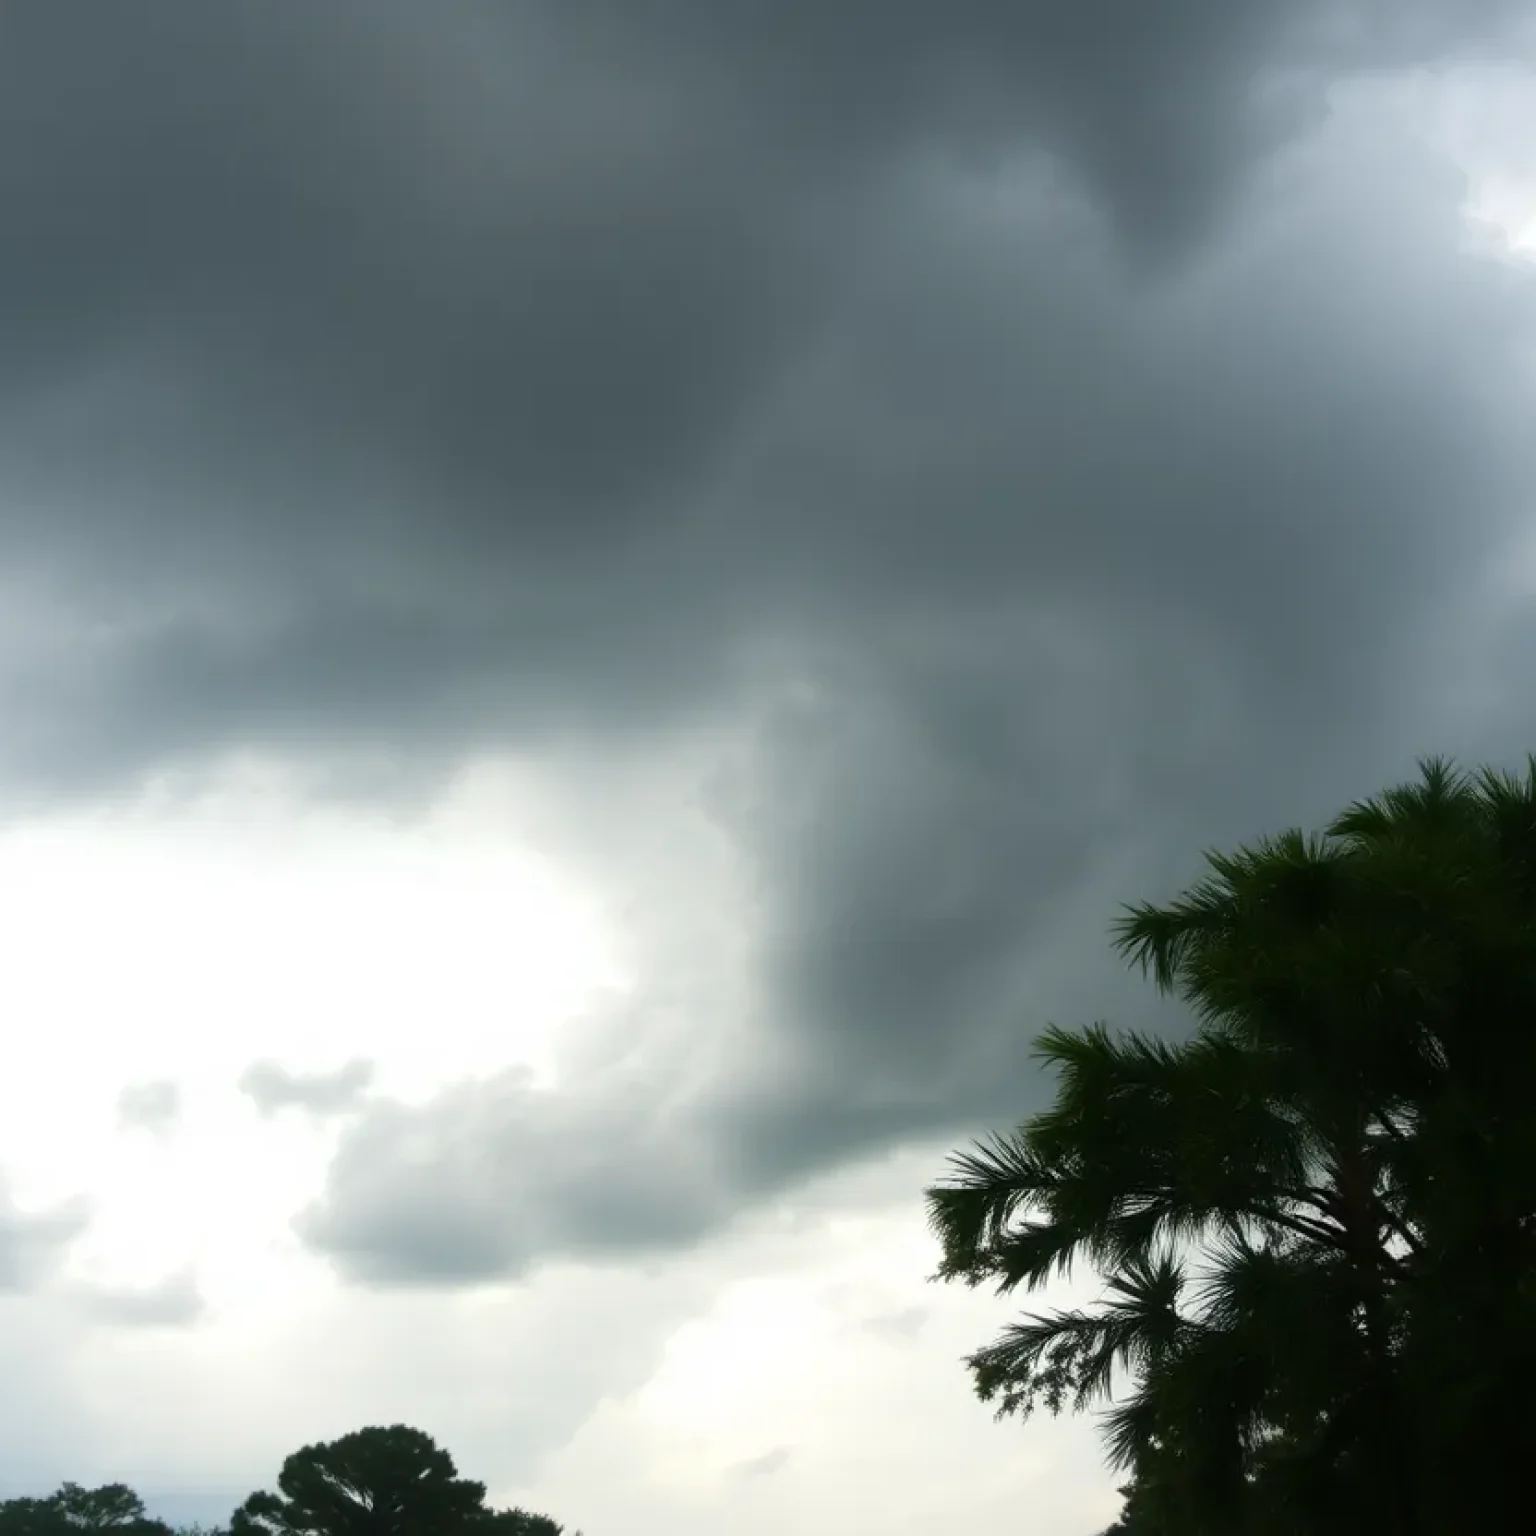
(1232, 1269)
(1314, 1218)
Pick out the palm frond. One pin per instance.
(1071, 1358)
(1129, 1431)
(987, 1186)
(1440, 799)
(1036, 1361)
(1344, 1140)
(1158, 939)
(1143, 1302)
(1033, 1254)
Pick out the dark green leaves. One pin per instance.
(1316, 1220)
(379, 1481)
(73, 1510)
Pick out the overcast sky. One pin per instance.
(600, 602)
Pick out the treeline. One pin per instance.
(1314, 1219)
(379, 1481)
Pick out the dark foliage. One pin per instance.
(1316, 1219)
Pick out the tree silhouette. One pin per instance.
(1316, 1219)
(377, 1481)
(72, 1509)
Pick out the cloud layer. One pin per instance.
(940, 465)
(154, 1107)
(272, 1087)
(34, 1242)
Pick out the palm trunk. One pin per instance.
(1358, 1201)
(1401, 1472)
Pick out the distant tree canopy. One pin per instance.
(517, 1522)
(379, 1481)
(1315, 1220)
(72, 1510)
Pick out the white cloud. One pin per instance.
(1485, 118)
(173, 1301)
(271, 1087)
(152, 1107)
(143, 941)
(864, 1431)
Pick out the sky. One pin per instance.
(599, 607)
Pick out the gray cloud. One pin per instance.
(153, 1107)
(1037, 446)
(403, 402)
(273, 1088)
(1198, 538)
(765, 1465)
(899, 1327)
(33, 1243)
(171, 1302)
(496, 1174)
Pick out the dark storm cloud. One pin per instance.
(1053, 444)
(357, 351)
(273, 1088)
(1202, 569)
(153, 1107)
